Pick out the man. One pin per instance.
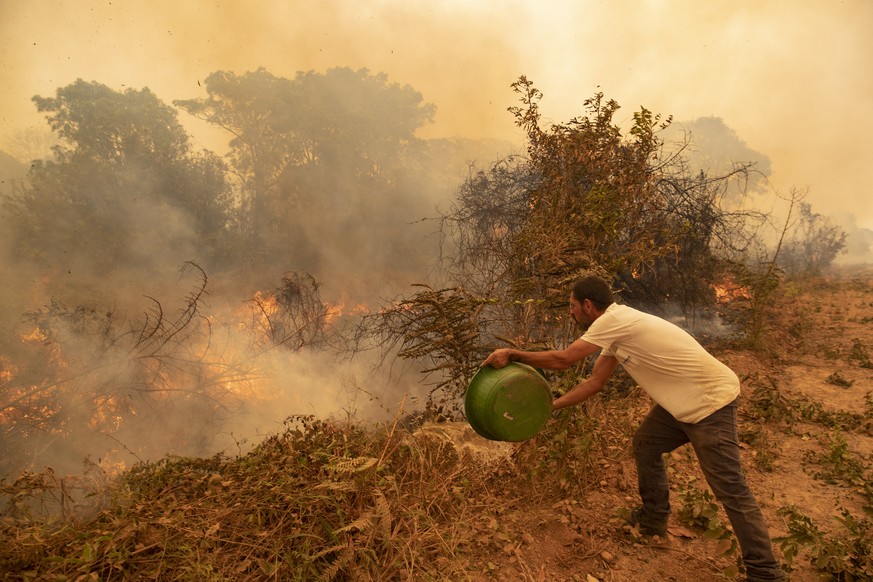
(695, 399)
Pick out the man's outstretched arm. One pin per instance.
(549, 359)
(604, 366)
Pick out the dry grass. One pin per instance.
(320, 501)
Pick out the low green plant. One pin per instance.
(847, 557)
(764, 451)
(837, 379)
(562, 456)
(860, 355)
(843, 420)
(838, 464)
(699, 510)
(767, 403)
(829, 352)
(867, 426)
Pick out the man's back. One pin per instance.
(666, 361)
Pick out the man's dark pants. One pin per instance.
(715, 442)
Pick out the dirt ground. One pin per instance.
(580, 538)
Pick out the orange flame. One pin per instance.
(729, 291)
(340, 309)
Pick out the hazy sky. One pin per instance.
(791, 77)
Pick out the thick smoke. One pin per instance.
(757, 66)
(752, 68)
(144, 340)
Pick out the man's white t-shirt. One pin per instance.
(666, 361)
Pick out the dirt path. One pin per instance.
(825, 333)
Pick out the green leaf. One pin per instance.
(724, 546)
(87, 553)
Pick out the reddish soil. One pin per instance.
(820, 332)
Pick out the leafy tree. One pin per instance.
(589, 198)
(257, 109)
(123, 184)
(31, 143)
(316, 156)
(332, 179)
(616, 203)
(367, 180)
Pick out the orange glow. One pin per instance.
(37, 335)
(257, 313)
(727, 292)
(7, 370)
(267, 302)
(339, 309)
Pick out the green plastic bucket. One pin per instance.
(512, 403)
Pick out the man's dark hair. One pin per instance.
(595, 289)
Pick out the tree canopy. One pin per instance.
(327, 164)
(590, 197)
(123, 187)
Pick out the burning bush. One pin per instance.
(166, 383)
